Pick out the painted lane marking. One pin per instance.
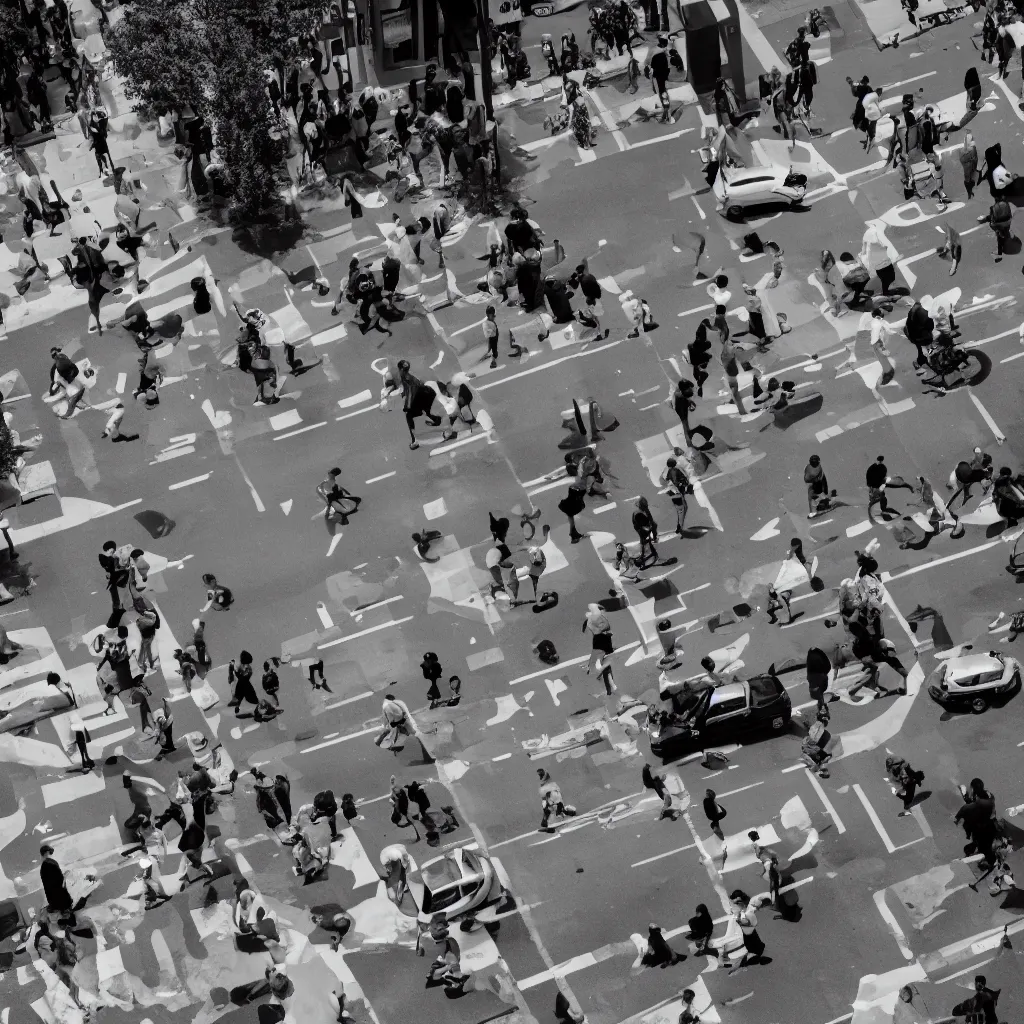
(340, 739)
(301, 430)
(662, 856)
(363, 396)
(548, 365)
(987, 417)
(358, 412)
(188, 483)
(383, 476)
(894, 926)
(349, 700)
(376, 604)
(260, 507)
(365, 632)
(829, 809)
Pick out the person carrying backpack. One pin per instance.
(909, 779)
(999, 218)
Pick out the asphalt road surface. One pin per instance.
(211, 483)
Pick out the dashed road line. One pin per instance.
(302, 430)
(364, 632)
(188, 483)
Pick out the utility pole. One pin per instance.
(485, 81)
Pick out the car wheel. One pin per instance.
(979, 704)
(734, 212)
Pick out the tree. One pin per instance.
(8, 454)
(212, 55)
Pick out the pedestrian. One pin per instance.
(817, 484)
(240, 676)
(536, 563)
(872, 114)
(832, 282)
(874, 255)
(186, 667)
(5, 530)
(265, 803)
(875, 477)
(796, 552)
(715, 813)
(397, 723)
(334, 495)
(325, 806)
(875, 324)
(909, 780)
(98, 127)
(626, 565)
(55, 889)
(271, 683)
(1004, 47)
(743, 914)
(112, 428)
(646, 530)
(399, 800)
(283, 795)
(217, 595)
(1000, 219)
(316, 668)
(679, 486)
(656, 782)
(348, 807)
(601, 633)
(191, 843)
(605, 674)
(702, 927)
(984, 1001)
(937, 193)
(951, 249)
(80, 734)
(969, 163)
(431, 668)
(551, 801)
(682, 402)
(201, 301)
(818, 668)
(418, 796)
(659, 953)
(571, 506)
(62, 686)
(699, 355)
(340, 923)
(591, 289)
(164, 730)
(733, 361)
(776, 602)
(490, 329)
(656, 67)
(147, 623)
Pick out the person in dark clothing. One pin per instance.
(201, 301)
(659, 65)
(283, 793)
(657, 784)
(972, 86)
(240, 676)
(646, 529)
(984, 1001)
(699, 352)
(55, 889)
(98, 127)
(431, 668)
(715, 813)
(818, 668)
(418, 796)
(875, 478)
(659, 952)
(702, 927)
(325, 806)
(265, 803)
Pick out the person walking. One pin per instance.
(397, 723)
(659, 953)
(271, 683)
(818, 668)
(646, 530)
(80, 734)
(283, 795)
(399, 800)
(969, 163)
(490, 329)
(333, 496)
(1000, 220)
(951, 248)
(776, 602)
(418, 796)
(875, 324)
(55, 889)
(551, 801)
(699, 354)
(326, 806)
(656, 782)
(715, 813)
(147, 623)
(601, 633)
(431, 668)
(817, 484)
(240, 676)
(536, 564)
(874, 255)
(679, 486)
(743, 914)
(164, 730)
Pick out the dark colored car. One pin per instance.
(726, 714)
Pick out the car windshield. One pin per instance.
(764, 690)
(440, 900)
(727, 707)
(441, 873)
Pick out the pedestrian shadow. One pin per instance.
(156, 524)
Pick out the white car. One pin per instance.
(974, 680)
(738, 188)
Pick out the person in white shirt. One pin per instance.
(874, 254)
(872, 114)
(397, 722)
(875, 324)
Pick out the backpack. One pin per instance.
(929, 134)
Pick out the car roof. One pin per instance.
(730, 691)
(972, 665)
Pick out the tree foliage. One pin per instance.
(8, 455)
(211, 55)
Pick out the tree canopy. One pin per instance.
(211, 55)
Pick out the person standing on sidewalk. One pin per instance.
(551, 801)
